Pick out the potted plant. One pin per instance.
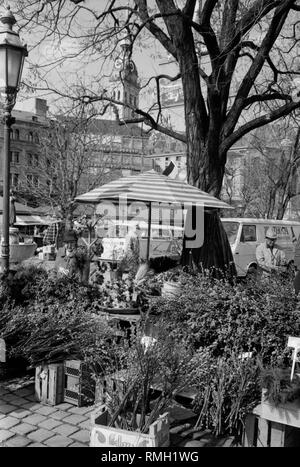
(134, 398)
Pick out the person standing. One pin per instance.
(270, 258)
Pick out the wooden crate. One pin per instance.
(103, 436)
(273, 425)
(49, 383)
(79, 386)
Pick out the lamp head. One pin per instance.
(12, 55)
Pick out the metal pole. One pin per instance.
(8, 121)
(149, 232)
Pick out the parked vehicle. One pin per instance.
(165, 240)
(245, 235)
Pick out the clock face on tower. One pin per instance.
(118, 63)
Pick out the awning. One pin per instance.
(29, 220)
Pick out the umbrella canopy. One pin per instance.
(152, 187)
(20, 208)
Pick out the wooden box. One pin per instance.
(273, 425)
(103, 436)
(79, 386)
(49, 383)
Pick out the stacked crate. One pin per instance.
(79, 384)
(49, 383)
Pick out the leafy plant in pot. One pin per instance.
(137, 394)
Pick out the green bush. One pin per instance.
(47, 318)
(252, 317)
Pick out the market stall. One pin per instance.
(151, 187)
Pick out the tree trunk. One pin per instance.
(215, 254)
(205, 164)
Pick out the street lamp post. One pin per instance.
(12, 55)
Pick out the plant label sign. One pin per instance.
(2, 351)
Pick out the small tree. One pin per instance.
(70, 161)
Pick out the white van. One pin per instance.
(245, 235)
(165, 240)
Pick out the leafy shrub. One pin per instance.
(48, 318)
(253, 317)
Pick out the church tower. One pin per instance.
(124, 83)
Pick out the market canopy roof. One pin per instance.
(20, 208)
(30, 220)
(153, 187)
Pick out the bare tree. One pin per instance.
(271, 178)
(236, 60)
(70, 160)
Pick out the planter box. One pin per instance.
(272, 425)
(49, 383)
(104, 436)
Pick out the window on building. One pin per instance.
(14, 157)
(36, 160)
(14, 180)
(36, 138)
(15, 134)
(126, 96)
(135, 100)
(119, 94)
(29, 178)
(35, 180)
(29, 158)
(30, 136)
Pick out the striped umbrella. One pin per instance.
(152, 187)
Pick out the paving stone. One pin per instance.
(7, 408)
(36, 445)
(45, 410)
(32, 398)
(64, 406)
(23, 428)
(25, 392)
(40, 435)
(58, 441)
(33, 406)
(85, 425)
(66, 430)
(80, 410)
(83, 436)
(9, 397)
(78, 445)
(3, 391)
(59, 415)
(18, 442)
(28, 405)
(20, 413)
(5, 434)
(2, 415)
(74, 419)
(19, 401)
(8, 422)
(49, 424)
(34, 419)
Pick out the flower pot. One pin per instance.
(171, 289)
(104, 436)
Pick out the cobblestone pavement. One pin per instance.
(24, 422)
